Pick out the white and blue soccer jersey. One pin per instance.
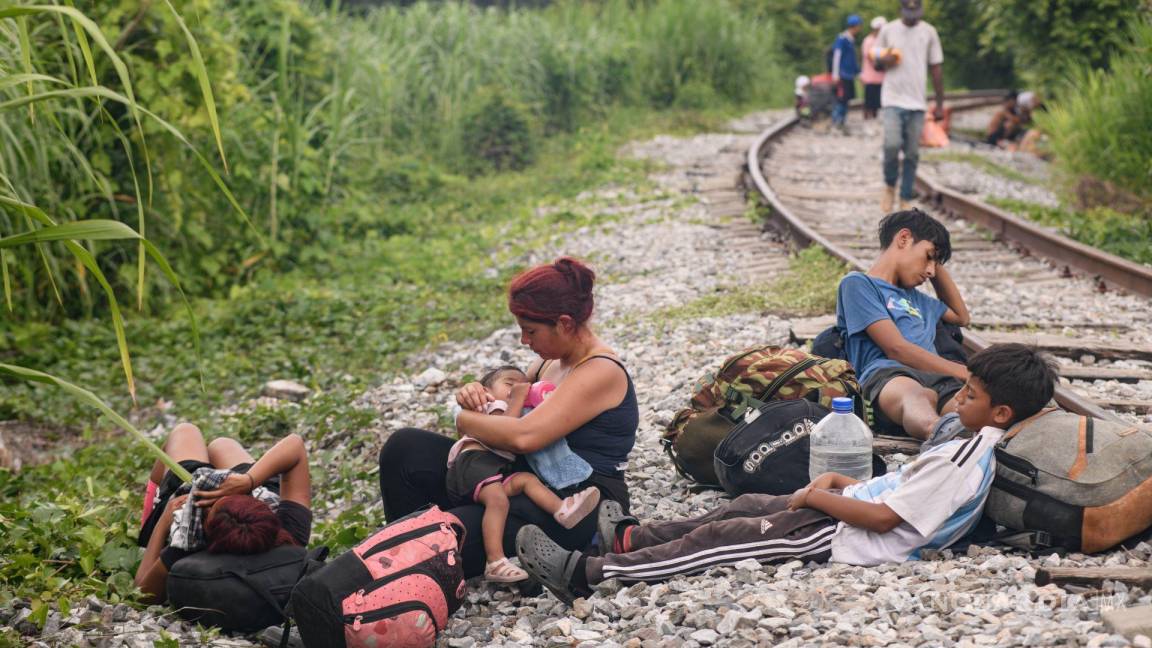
(939, 495)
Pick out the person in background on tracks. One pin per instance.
(1005, 127)
(803, 107)
(889, 327)
(594, 408)
(844, 69)
(907, 46)
(869, 75)
(929, 503)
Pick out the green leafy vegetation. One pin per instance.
(807, 288)
(317, 111)
(1122, 234)
(1044, 38)
(1099, 130)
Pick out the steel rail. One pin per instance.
(1107, 269)
(803, 235)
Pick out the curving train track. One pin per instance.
(823, 189)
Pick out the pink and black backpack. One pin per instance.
(397, 588)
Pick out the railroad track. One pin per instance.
(824, 189)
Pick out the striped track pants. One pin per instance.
(751, 526)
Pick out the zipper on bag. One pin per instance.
(356, 620)
(401, 539)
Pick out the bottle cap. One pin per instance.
(842, 404)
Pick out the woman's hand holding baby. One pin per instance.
(473, 396)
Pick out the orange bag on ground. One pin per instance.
(934, 134)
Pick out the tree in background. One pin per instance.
(1045, 37)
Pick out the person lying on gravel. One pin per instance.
(889, 327)
(593, 408)
(485, 476)
(233, 520)
(928, 503)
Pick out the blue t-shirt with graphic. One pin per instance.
(863, 300)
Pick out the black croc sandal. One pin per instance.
(607, 521)
(547, 561)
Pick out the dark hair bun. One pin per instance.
(580, 276)
(547, 292)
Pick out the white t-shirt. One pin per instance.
(939, 495)
(905, 85)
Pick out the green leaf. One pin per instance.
(87, 397)
(88, 230)
(201, 72)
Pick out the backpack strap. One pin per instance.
(1016, 429)
(1084, 446)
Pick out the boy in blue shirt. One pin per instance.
(889, 328)
(929, 503)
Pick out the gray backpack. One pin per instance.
(1071, 481)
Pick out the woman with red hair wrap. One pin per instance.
(235, 522)
(593, 408)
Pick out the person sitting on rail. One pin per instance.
(1006, 125)
(929, 503)
(889, 327)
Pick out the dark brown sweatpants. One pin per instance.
(759, 527)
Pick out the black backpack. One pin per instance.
(949, 343)
(239, 593)
(767, 452)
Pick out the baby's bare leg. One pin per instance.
(495, 504)
(530, 485)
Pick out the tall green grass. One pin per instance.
(1099, 128)
(317, 109)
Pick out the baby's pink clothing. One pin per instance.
(455, 451)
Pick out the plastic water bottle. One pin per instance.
(841, 443)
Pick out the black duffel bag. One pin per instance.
(767, 451)
(239, 593)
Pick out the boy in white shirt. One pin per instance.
(929, 503)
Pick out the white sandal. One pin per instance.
(503, 571)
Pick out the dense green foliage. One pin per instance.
(1099, 131)
(320, 109)
(1045, 36)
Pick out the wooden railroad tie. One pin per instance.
(1095, 576)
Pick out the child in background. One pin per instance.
(801, 92)
(869, 75)
(477, 473)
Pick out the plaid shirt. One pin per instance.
(187, 530)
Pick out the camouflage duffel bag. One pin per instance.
(762, 373)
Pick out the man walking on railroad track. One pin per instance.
(907, 47)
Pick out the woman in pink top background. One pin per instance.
(869, 75)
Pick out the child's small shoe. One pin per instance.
(576, 507)
(503, 571)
